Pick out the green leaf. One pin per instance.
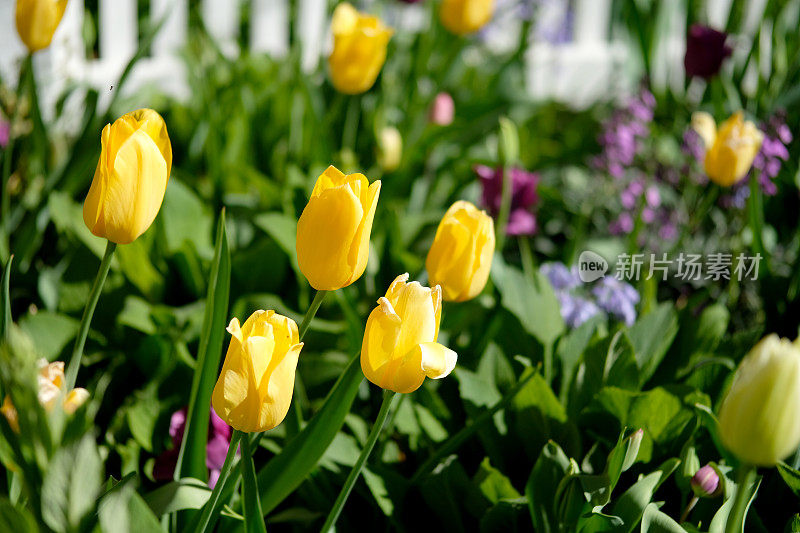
(185, 219)
(71, 485)
(5, 300)
(493, 483)
(284, 473)
(507, 515)
(547, 473)
(531, 300)
(651, 337)
(571, 348)
(122, 510)
(50, 332)
(192, 458)
(654, 521)
(447, 491)
(17, 519)
(631, 505)
(607, 362)
(720, 520)
(283, 230)
(790, 476)
(185, 493)
(253, 516)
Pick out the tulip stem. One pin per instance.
(254, 517)
(505, 207)
(88, 312)
(312, 311)
(688, 509)
(388, 397)
(213, 500)
(735, 523)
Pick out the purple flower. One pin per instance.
(5, 133)
(705, 51)
(616, 298)
(560, 276)
(773, 153)
(623, 132)
(521, 220)
(219, 438)
(705, 482)
(576, 310)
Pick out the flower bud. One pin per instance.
(333, 230)
(131, 177)
(705, 483)
(255, 387)
(359, 49)
(37, 21)
(465, 16)
(50, 382)
(759, 420)
(442, 110)
(461, 254)
(730, 150)
(390, 149)
(400, 348)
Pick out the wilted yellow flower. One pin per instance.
(461, 254)
(255, 387)
(37, 21)
(51, 388)
(730, 150)
(390, 148)
(400, 348)
(759, 420)
(334, 228)
(465, 16)
(359, 49)
(131, 177)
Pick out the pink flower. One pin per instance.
(5, 133)
(442, 110)
(219, 438)
(521, 220)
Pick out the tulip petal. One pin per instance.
(380, 338)
(415, 308)
(429, 359)
(359, 249)
(75, 399)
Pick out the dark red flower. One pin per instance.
(705, 51)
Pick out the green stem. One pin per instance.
(388, 396)
(351, 123)
(8, 153)
(735, 523)
(547, 362)
(505, 208)
(213, 500)
(454, 442)
(86, 320)
(254, 518)
(526, 255)
(312, 311)
(756, 218)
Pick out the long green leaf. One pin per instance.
(253, 516)
(5, 300)
(284, 473)
(192, 458)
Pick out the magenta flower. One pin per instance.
(5, 133)
(521, 220)
(219, 438)
(705, 51)
(442, 110)
(705, 482)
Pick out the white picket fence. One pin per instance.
(592, 64)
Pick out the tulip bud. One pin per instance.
(37, 21)
(443, 110)
(50, 382)
(333, 230)
(465, 16)
(400, 348)
(255, 387)
(131, 177)
(759, 420)
(729, 157)
(359, 49)
(705, 51)
(705, 483)
(390, 149)
(461, 254)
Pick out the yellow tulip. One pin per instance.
(730, 150)
(390, 149)
(461, 254)
(131, 177)
(333, 230)
(465, 16)
(50, 382)
(359, 49)
(400, 348)
(37, 21)
(759, 420)
(255, 387)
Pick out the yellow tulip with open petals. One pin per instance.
(730, 149)
(334, 229)
(131, 177)
(37, 21)
(400, 349)
(359, 49)
(465, 16)
(255, 387)
(461, 254)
